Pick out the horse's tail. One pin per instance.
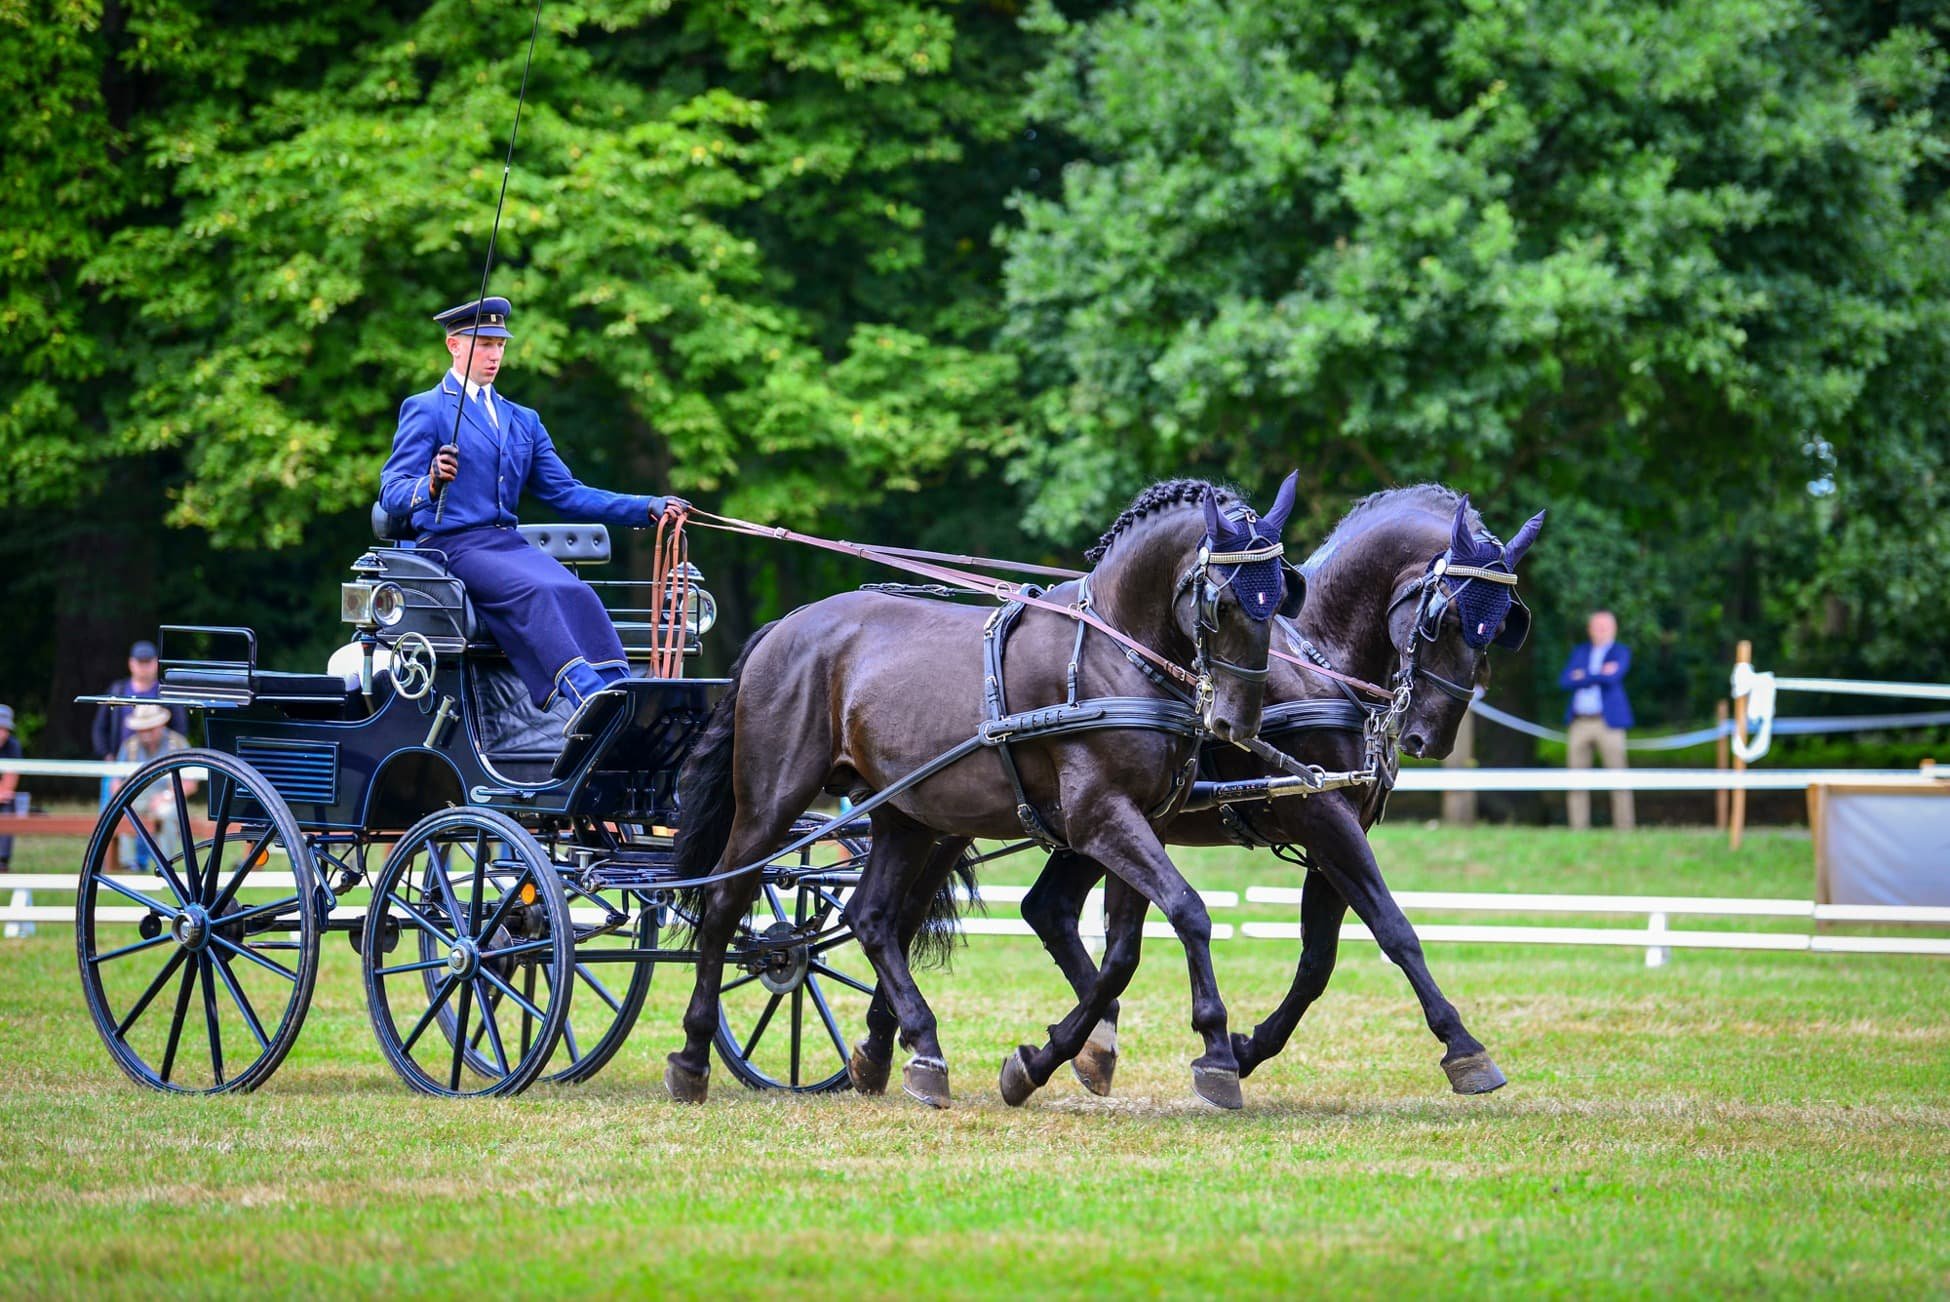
(706, 798)
(934, 944)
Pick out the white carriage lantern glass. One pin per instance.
(355, 604)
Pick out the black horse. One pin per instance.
(854, 694)
(1409, 589)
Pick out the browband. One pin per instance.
(1266, 553)
(1473, 572)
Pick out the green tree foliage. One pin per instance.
(1675, 267)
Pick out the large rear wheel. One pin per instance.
(198, 954)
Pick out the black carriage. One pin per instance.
(506, 895)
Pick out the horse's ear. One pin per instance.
(1520, 544)
(1296, 590)
(1213, 527)
(1461, 541)
(1275, 519)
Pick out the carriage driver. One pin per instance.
(550, 624)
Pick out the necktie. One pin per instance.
(487, 400)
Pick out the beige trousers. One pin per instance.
(1587, 733)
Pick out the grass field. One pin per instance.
(1732, 1123)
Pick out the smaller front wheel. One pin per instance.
(469, 932)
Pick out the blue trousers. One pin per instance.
(550, 624)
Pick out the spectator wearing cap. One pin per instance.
(9, 782)
(150, 736)
(463, 457)
(1598, 715)
(111, 727)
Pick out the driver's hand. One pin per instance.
(673, 508)
(446, 464)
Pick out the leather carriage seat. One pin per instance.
(572, 544)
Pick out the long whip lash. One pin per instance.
(507, 167)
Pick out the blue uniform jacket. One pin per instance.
(1611, 686)
(496, 467)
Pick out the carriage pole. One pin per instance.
(1743, 654)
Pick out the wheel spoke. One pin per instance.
(778, 905)
(493, 1031)
(516, 951)
(434, 1006)
(176, 1023)
(412, 913)
(826, 1016)
(568, 1029)
(732, 985)
(460, 1035)
(509, 991)
(424, 966)
(798, 1027)
(204, 963)
(238, 997)
(437, 869)
(149, 901)
(258, 847)
(155, 987)
(764, 1020)
(190, 871)
(258, 911)
(527, 1022)
(163, 865)
(845, 980)
(602, 991)
(479, 879)
(244, 951)
(220, 817)
(139, 945)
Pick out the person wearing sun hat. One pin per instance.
(150, 735)
(461, 496)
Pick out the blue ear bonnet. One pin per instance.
(1257, 583)
(1489, 612)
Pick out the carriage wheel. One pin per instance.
(796, 982)
(491, 953)
(607, 997)
(198, 957)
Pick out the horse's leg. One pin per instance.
(1053, 909)
(1321, 911)
(1349, 863)
(873, 1057)
(1125, 843)
(1028, 1069)
(896, 866)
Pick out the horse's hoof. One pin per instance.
(926, 1080)
(685, 1085)
(1218, 1086)
(1475, 1074)
(1016, 1083)
(867, 1075)
(1096, 1062)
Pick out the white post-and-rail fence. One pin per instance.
(1656, 937)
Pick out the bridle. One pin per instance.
(1434, 592)
(1208, 590)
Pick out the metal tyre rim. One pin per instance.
(473, 997)
(786, 1011)
(198, 957)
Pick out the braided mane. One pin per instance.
(1160, 496)
(1438, 499)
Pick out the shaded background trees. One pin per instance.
(967, 275)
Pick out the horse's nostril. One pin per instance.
(1414, 743)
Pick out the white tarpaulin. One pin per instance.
(1877, 845)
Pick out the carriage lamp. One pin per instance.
(388, 604)
(355, 604)
(700, 611)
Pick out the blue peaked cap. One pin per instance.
(485, 318)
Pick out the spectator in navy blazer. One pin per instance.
(1598, 714)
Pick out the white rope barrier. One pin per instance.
(1441, 779)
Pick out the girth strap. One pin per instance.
(995, 725)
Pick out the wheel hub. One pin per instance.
(784, 969)
(191, 928)
(464, 960)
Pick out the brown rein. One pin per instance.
(918, 562)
